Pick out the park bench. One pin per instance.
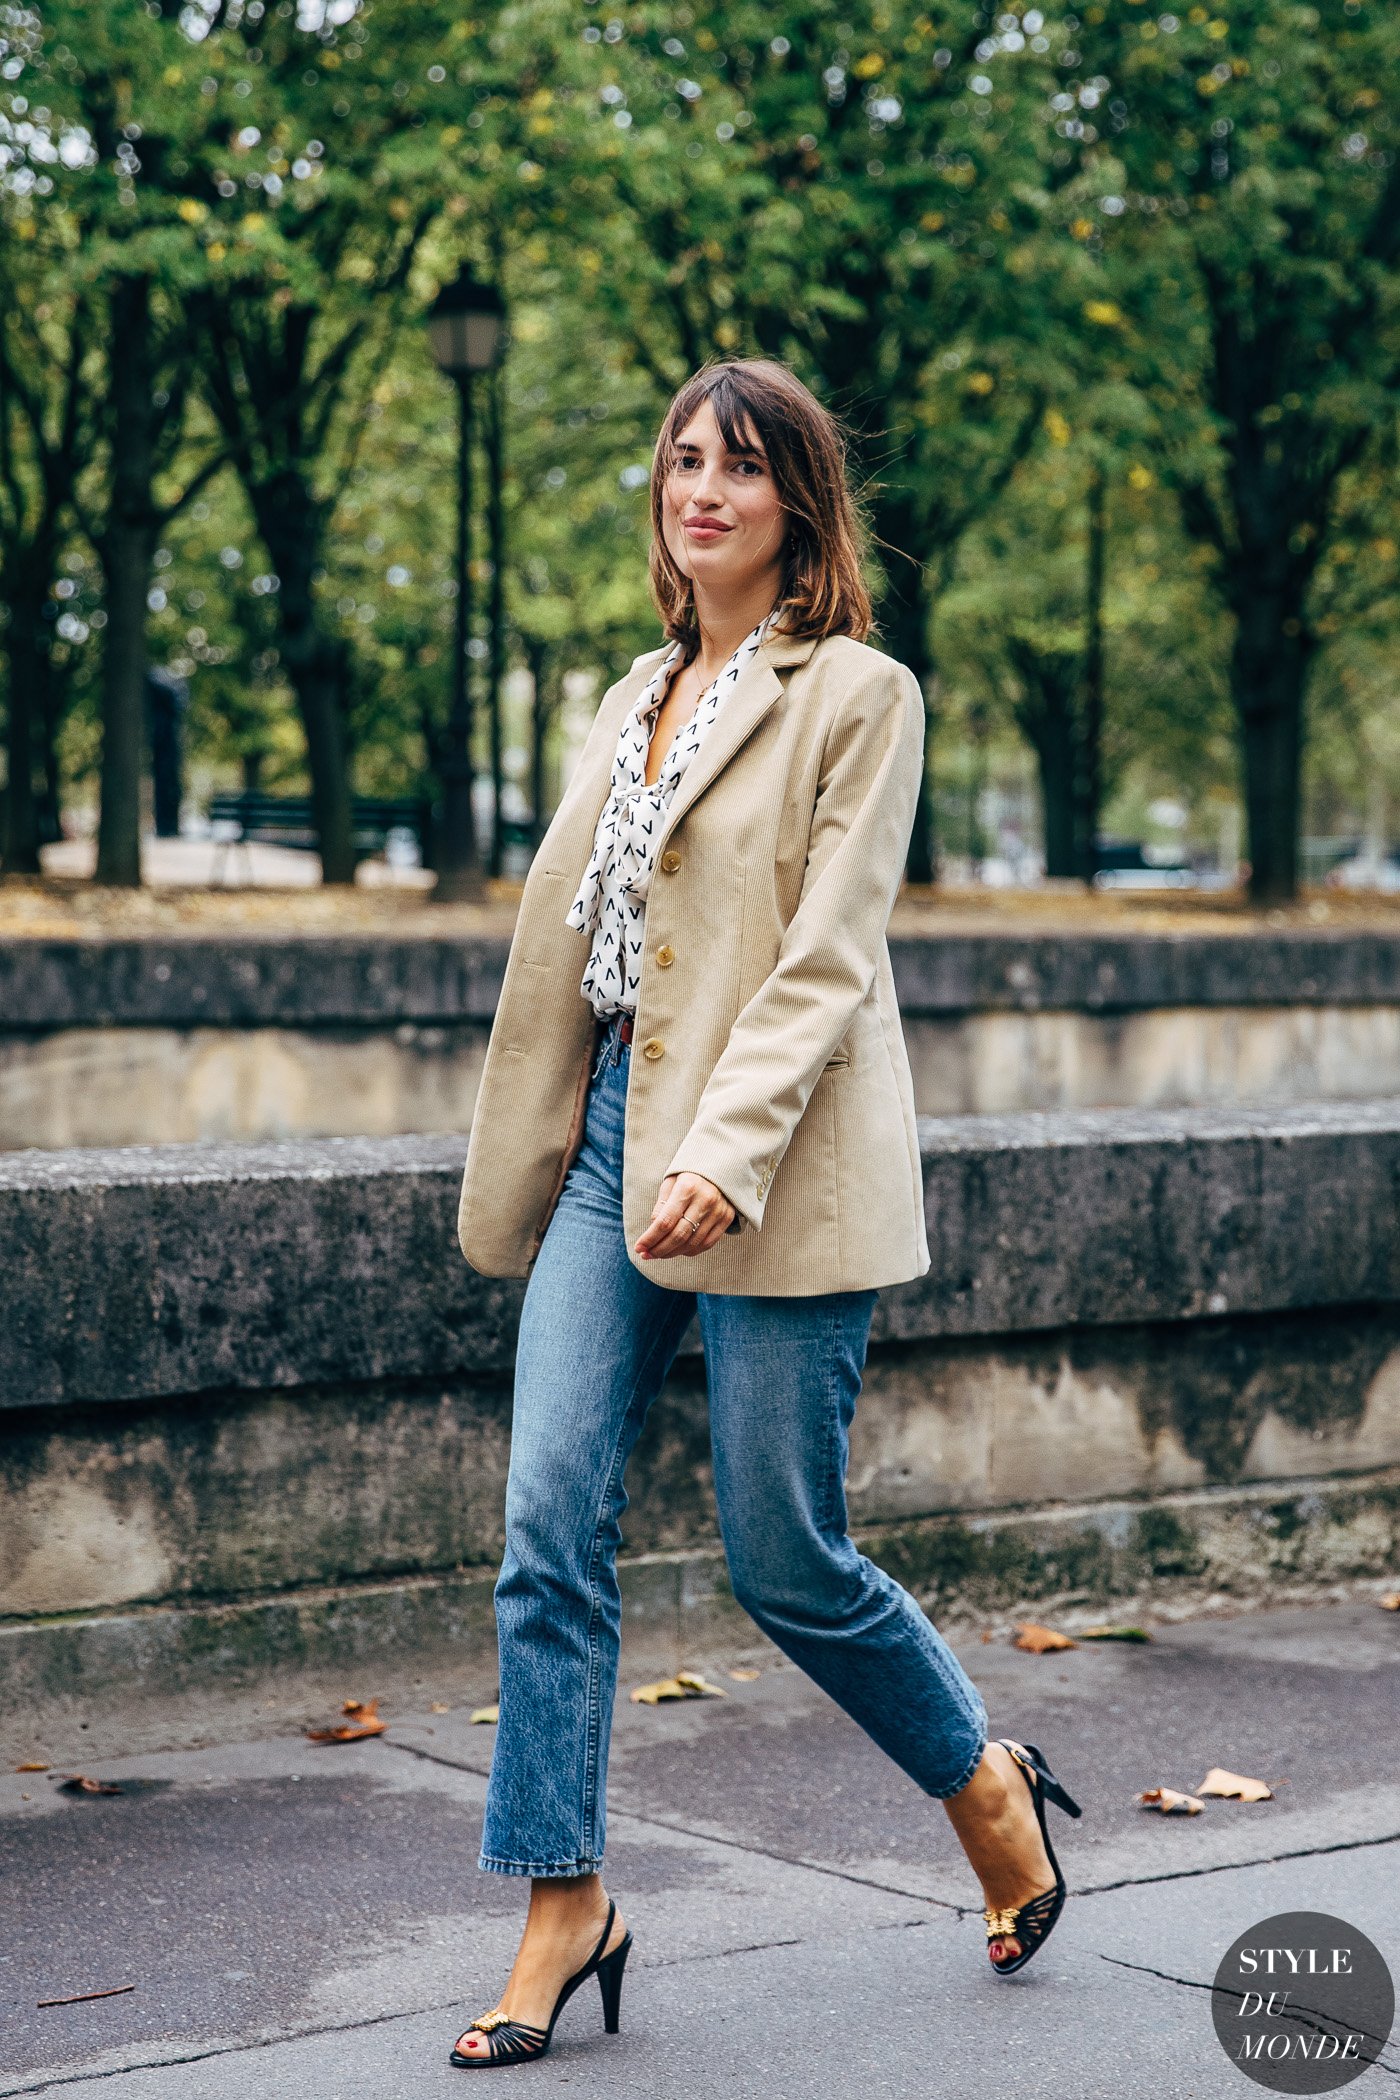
(288, 820)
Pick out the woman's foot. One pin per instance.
(561, 1932)
(994, 1817)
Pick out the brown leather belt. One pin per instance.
(624, 1029)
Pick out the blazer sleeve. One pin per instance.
(862, 820)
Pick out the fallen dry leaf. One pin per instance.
(362, 1721)
(1229, 1786)
(686, 1684)
(745, 1676)
(31, 1768)
(117, 1990)
(439, 1706)
(1114, 1633)
(1392, 1602)
(1170, 1802)
(78, 1783)
(486, 1714)
(1041, 1640)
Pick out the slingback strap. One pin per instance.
(596, 1955)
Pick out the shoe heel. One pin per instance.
(610, 1983)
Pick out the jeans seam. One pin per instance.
(588, 1819)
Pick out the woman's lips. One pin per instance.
(700, 529)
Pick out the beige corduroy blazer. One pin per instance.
(767, 1053)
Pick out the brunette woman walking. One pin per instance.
(697, 1099)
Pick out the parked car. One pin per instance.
(1129, 864)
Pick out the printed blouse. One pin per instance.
(611, 903)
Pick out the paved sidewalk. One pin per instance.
(307, 1923)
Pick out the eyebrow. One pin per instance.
(735, 451)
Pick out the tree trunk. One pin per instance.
(905, 623)
(1090, 784)
(290, 522)
(125, 549)
(28, 640)
(1268, 678)
(537, 656)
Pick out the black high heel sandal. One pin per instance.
(1032, 1923)
(516, 2041)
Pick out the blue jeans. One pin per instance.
(596, 1340)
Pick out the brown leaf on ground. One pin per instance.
(1041, 1640)
(116, 1990)
(31, 1768)
(486, 1716)
(745, 1676)
(1114, 1633)
(362, 1720)
(1392, 1602)
(78, 1783)
(686, 1684)
(1229, 1786)
(439, 1706)
(1170, 1802)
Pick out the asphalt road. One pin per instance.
(307, 1923)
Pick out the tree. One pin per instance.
(45, 337)
(1252, 176)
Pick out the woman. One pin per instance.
(697, 1099)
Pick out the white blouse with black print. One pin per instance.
(611, 901)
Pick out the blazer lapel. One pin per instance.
(755, 689)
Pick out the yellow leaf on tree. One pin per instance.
(192, 210)
(1103, 312)
(1056, 427)
(1230, 1786)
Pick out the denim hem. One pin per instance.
(938, 1793)
(540, 1870)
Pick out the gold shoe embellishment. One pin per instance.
(489, 2021)
(1001, 1924)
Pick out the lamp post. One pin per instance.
(466, 324)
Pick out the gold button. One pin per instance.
(670, 861)
(665, 956)
(653, 1048)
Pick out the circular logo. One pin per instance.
(1303, 2003)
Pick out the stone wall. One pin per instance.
(253, 1405)
(158, 1040)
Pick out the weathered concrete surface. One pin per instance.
(135, 1274)
(308, 1924)
(364, 980)
(263, 1493)
(255, 1406)
(205, 1663)
(162, 1040)
(168, 1085)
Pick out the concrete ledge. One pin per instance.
(139, 1274)
(370, 981)
(1233, 1547)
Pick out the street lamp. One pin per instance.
(466, 325)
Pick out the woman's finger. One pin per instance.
(689, 1217)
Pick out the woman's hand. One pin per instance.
(685, 1196)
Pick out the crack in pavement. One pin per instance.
(48, 2084)
(1320, 2022)
(888, 1888)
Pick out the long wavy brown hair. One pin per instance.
(822, 591)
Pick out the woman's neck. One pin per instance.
(723, 627)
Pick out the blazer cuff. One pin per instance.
(743, 1182)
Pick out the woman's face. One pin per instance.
(723, 522)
